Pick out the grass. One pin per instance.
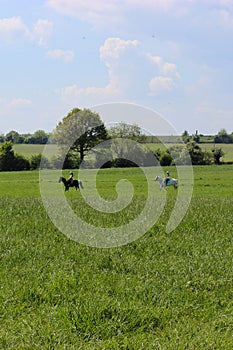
(29, 150)
(162, 291)
(227, 149)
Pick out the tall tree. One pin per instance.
(39, 137)
(12, 136)
(217, 153)
(222, 137)
(196, 154)
(6, 156)
(185, 136)
(81, 130)
(124, 130)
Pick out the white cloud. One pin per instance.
(166, 81)
(99, 12)
(117, 55)
(75, 95)
(170, 68)
(20, 102)
(131, 71)
(58, 54)
(113, 48)
(42, 31)
(158, 84)
(102, 12)
(158, 5)
(13, 106)
(164, 67)
(13, 28)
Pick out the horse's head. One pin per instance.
(156, 178)
(60, 179)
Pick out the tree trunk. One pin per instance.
(81, 154)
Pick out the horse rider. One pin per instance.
(167, 178)
(70, 178)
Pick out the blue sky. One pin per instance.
(172, 56)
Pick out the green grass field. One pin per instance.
(227, 149)
(29, 150)
(162, 291)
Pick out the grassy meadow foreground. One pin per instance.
(162, 291)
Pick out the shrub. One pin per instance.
(38, 160)
(20, 163)
(165, 159)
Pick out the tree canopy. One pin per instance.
(9, 161)
(80, 130)
(124, 130)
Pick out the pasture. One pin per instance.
(29, 150)
(206, 147)
(162, 291)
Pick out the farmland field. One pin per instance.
(226, 147)
(206, 147)
(162, 291)
(29, 150)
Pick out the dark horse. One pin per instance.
(76, 183)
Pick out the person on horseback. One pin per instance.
(167, 178)
(70, 178)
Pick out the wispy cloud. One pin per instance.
(95, 12)
(102, 12)
(13, 29)
(58, 54)
(42, 31)
(20, 102)
(124, 60)
(163, 67)
(158, 84)
(16, 104)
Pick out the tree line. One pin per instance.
(222, 137)
(42, 137)
(39, 137)
(83, 130)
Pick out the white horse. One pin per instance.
(171, 182)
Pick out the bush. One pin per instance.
(6, 156)
(20, 163)
(10, 161)
(165, 159)
(123, 163)
(39, 161)
(218, 154)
